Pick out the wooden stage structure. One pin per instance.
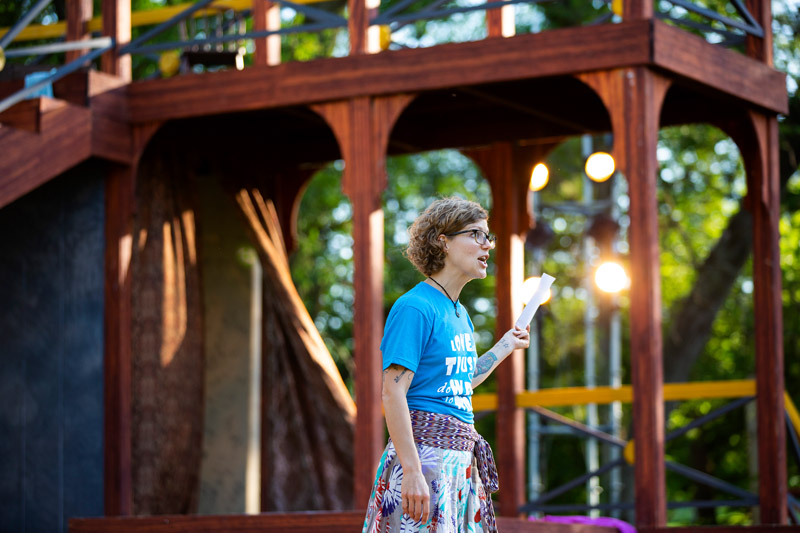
(506, 101)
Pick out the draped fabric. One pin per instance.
(167, 343)
(308, 414)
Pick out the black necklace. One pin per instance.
(455, 302)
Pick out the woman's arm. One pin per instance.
(513, 339)
(414, 489)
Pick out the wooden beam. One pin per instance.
(25, 115)
(120, 201)
(758, 48)
(764, 189)
(637, 9)
(364, 39)
(717, 69)
(390, 72)
(499, 163)
(79, 13)
(500, 21)
(117, 24)
(119, 215)
(112, 134)
(641, 104)
(31, 159)
(362, 128)
(300, 522)
(267, 16)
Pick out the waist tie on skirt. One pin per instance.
(450, 433)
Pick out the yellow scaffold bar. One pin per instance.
(146, 17)
(605, 395)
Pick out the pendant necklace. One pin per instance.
(455, 302)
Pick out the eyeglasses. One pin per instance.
(481, 237)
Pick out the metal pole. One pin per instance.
(615, 365)
(532, 384)
(23, 22)
(98, 42)
(590, 353)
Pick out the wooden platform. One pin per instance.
(302, 522)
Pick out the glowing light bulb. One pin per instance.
(539, 177)
(600, 166)
(611, 277)
(529, 287)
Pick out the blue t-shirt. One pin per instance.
(424, 335)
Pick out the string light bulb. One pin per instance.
(539, 177)
(610, 277)
(600, 166)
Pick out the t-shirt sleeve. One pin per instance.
(404, 337)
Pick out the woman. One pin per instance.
(437, 473)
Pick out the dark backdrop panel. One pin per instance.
(51, 353)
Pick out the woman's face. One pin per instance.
(464, 255)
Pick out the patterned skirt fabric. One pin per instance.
(458, 499)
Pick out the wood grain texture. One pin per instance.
(718, 69)
(362, 127)
(500, 21)
(764, 188)
(307, 522)
(637, 10)
(79, 13)
(117, 24)
(112, 134)
(641, 136)
(758, 48)
(120, 187)
(267, 16)
(31, 159)
(25, 115)
(391, 72)
(506, 221)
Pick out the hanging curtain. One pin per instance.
(167, 344)
(307, 412)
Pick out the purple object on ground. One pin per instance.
(622, 527)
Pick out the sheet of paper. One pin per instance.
(539, 296)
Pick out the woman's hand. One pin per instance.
(416, 496)
(516, 338)
(513, 339)
(414, 493)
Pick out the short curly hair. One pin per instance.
(446, 215)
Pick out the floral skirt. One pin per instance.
(458, 499)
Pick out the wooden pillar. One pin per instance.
(364, 39)
(120, 201)
(764, 192)
(79, 13)
(267, 16)
(637, 9)
(508, 170)
(117, 24)
(640, 165)
(120, 207)
(500, 21)
(633, 98)
(362, 126)
(757, 48)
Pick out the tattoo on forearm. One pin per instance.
(485, 363)
(400, 375)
